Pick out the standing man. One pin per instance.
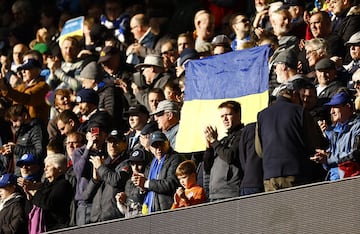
(138, 117)
(96, 135)
(145, 39)
(65, 74)
(159, 181)
(221, 158)
(109, 178)
(31, 92)
(294, 137)
(167, 116)
(241, 26)
(153, 72)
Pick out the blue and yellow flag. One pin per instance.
(72, 28)
(241, 76)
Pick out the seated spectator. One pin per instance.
(12, 215)
(130, 202)
(159, 181)
(354, 46)
(342, 158)
(190, 193)
(55, 196)
(328, 82)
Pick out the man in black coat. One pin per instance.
(286, 136)
(159, 181)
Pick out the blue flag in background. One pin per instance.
(241, 76)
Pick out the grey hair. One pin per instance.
(319, 43)
(57, 160)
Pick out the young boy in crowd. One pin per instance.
(190, 193)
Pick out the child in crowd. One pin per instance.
(191, 193)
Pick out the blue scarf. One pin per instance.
(154, 172)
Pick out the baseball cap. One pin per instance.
(289, 3)
(30, 64)
(115, 135)
(106, 53)
(157, 136)
(138, 155)
(166, 105)
(136, 110)
(7, 179)
(339, 99)
(27, 159)
(149, 128)
(87, 95)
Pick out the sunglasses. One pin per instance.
(356, 82)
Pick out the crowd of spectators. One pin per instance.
(88, 124)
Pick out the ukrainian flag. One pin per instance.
(241, 76)
(72, 28)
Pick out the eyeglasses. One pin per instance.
(308, 52)
(355, 82)
(243, 21)
(160, 114)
